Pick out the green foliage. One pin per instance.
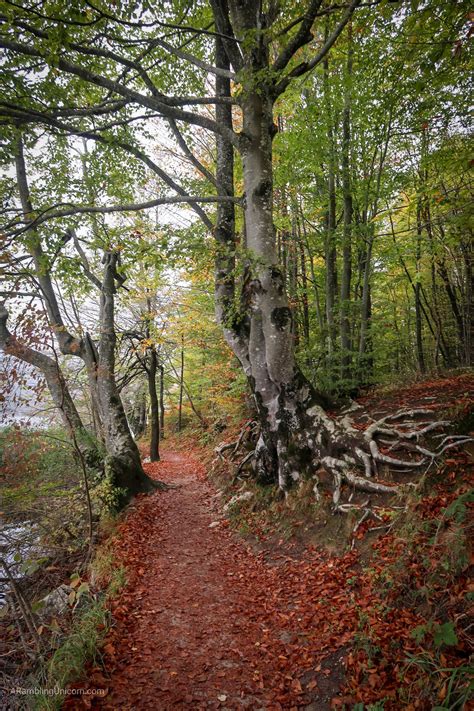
(91, 621)
(80, 647)
(456, 683)
(442, 634)
(457, 510)
(108, 494)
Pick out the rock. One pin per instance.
(237, 499)
(56, 602)
(214, 524)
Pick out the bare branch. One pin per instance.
(85, 262)
(53, 213)
(188, 152)
(212, 69)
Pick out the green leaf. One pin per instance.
(445, 634)
(38, 605)
(419, 633)
(83, 587)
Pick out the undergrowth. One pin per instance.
(421, 573)
(82, 645)
(43, 499)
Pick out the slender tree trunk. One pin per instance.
(304, 293)
(154, 408)
(366, 308)
(451, 293)
(181, 389)
(418, 321)
(123, 463)
(466, 248)
(142, 414)
(293, 258)
(162, 402)
(345, 326)
(330, 243)
(425, 307)
(317, 299)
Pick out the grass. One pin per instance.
(69, 661)
(82, 645)
(455, 685)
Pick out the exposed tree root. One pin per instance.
(401, 431)
(246, 433)
(347, 454)
(244, 461)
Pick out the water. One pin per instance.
(19, 545)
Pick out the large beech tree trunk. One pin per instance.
(259, 328)
(296, 434)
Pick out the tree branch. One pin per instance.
(67, 342)
(85, 262)
(151, 102)
(131, 207)
(302, 37)
(188, 152)
(306, 67)
(194, 60)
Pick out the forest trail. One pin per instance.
(208, 622)
(203, 622)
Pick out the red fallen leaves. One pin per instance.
(437, 394)
(204, 617)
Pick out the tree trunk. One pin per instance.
(345, 326)
(317, 300)
(181, 389)
(365, 309)
(330, 243)
(304, 292)
(466, 249)
(123, 463)
(162, 402)
(418, 320)
(142, 414)
(154, 408)
(297, 435)
(262, 335)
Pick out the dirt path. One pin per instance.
(206, 623)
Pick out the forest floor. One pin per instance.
(210, 620)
